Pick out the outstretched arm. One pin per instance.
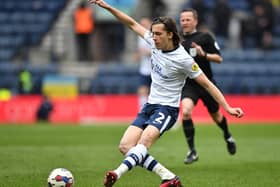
(218, 96)
(213, 57)
(125, 19)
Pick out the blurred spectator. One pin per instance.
(158, 8)
(263, 21)
(252, 3)
(144, 55)
(269, 13)
(202, 11)
(44, 110)
(267, 41)
(260, 24)
(84, 26)
(25, 82)
(222, 15)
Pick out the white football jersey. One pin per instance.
(169, 72)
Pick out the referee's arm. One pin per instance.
(213, 57)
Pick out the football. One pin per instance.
(60, 177)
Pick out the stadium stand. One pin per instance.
(242, 72)
(249, 72)
(9, 75)
(234, 5)
(23, 23)
(115, 79)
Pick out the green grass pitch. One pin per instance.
(29, 153)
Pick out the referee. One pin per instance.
(204, 49)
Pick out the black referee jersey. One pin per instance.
(208, 44)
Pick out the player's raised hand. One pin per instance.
(100, 3)
(237, 112)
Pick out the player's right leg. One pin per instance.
(133, 158)
(110, 179)
(189, 130)
(127, 147)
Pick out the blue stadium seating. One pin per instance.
(23, 23)
(234, 4)
(9, 82)
(249, 72)
(116, 79)
(246, 71)
(242, 72)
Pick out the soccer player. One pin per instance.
(144, 55)
(171, 64)
(204, 49)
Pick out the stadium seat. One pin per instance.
(116, 79)
(10, 82)
(30, 19)
(4, 17)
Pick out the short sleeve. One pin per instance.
(148, 38)
(193, 70)
(213, 46)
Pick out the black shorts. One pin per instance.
(195, 92)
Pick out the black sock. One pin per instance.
(188, 128)
(224, 126)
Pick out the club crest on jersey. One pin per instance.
(157, 69)
(195, 67)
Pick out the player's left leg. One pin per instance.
(220, 120)
(134, 155)
(168, 178)
(148, 138)
(162, 120)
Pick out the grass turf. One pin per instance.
(29, 153)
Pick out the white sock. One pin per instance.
(121, 170)
(152, 165)
(163, 172)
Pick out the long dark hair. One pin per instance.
(170, 26)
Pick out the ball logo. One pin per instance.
(58, 178)
(195, 67)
